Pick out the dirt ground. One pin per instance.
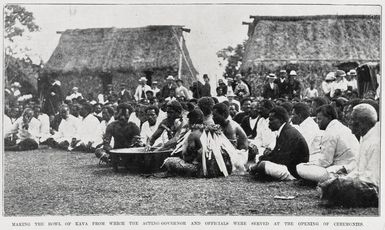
(56, 182)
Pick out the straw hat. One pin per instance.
(170, 78)
(330, 76)
(352, 72)
(293, 73)
(143, 79)
(271, 76)
(340, 73)
(16, 84)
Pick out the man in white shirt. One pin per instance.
(44, 128)
(89, 133)
(151, 125)
(340, 83)
(338, 149)
(328, 84)
(155, 88)
(307, 127)
(75, 94)
(265, 138)
(140, 92)
(67, 131)
(360, 188)
(26, 129)
(351, 79)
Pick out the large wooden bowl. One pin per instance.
(138, 160)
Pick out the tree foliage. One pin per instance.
(17, 20)
(233, 56)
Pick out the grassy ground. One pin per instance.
(55, 182)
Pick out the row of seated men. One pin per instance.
(283, 141)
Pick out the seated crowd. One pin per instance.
(330, 141)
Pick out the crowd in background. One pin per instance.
(289, 132)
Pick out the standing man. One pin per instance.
(155, 89)
(294, 87)
(270, 90)
(53, 98)
(241, 89)
(165, 91)
(222, 87)
(206, 88)
(125, 95)
(140, 92)
(282, 83)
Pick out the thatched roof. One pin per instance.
(326, 38)
(99, 50)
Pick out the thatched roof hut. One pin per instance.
(311, 45)
(112, 55)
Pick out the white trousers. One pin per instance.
(278, 171)
(317, 173)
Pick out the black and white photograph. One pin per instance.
(192, 115)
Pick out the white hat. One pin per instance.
(352, 72)
(293, 73)
(330, 76)
(282, 71)
(271, 76)
(142, 79)
(75, 88)
(170, 77)
(16, 84)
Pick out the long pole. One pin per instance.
(180, 58)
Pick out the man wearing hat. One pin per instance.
(242, 89)
(270, 89)
(293, 87)
(340, 83)
(282, 83)
(75, 94)
(351, 79)
(15, 89)
(328, 83)
(140, 92)
(170, 86)
(125, 95)
(154, 88)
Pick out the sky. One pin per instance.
(213, 27)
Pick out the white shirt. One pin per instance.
(133, 118)
(368, 159)
(139, 91)
(310, 93)
(44, 127)
(312, 134)
(221, 98)
(265, 137)
(147, 131)
(342, 85)
(90, 131)
(279, 130)
(182, 91)
(338, 147)
(253, 122)
(31, 133)
(67, 130)
(327, 86)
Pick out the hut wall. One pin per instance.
(86, 83)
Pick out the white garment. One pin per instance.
(253, 122)
(352, 83)
(265, 137)
(278, 171)
(368, 160)
(310, 93)
(44, 127)
(74, 96)
(67, 130)
(338, 147)
(312, 134)
(139, 90)
(341, 85)
(89, 131)
(221, 98)
(31, 133)
(147, 131)
(327, 86)
(133, 118)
